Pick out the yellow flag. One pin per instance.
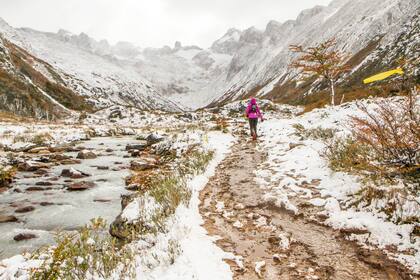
(383, 76)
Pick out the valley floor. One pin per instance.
(266, 209)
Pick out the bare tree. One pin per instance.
(322, 60)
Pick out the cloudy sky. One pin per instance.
(151, 22)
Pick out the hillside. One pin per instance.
(374, 33)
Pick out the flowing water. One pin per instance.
(59, 209)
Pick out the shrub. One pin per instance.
(89, 254)
(392, 131)
(346, 154)
(38, 139)
(318, 133)
(221, 125)
(6, 176)
(42, 138)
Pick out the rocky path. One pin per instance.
(272, 243)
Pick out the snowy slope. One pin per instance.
(263, 56)
(101, 81)
(239, 64)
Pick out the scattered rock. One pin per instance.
(8, 219)
(45, 203)
(103, 167)
(140, 146)
(154, 138)
(86, 155)
(3, 189)
(59, 157)
(126, 199)
(134, 153)
(132, 187)
(30, 166)
(41, 171)
(17, 190)
(259, 267)
(109, 150)
(70, 161)
(102, 200)
(39, 150)
(80, 186)
(138, 165)
(294, 145)
(73, 173)
(24, 236)
(43, 183)
(35, 189)
(349, 231)
(239, 206)
(25, 209)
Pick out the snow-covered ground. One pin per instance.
(297, 171)
(200, 258)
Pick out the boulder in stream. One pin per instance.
(85, 154)
(80, 186)
(25, 209)
(31, 166)
(39, 150)
(35, 189)
(24, 236)
(73, 173)
(8, 219)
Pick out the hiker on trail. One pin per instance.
(253, 113)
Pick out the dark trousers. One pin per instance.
(253, 126)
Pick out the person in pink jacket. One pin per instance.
(253, 113)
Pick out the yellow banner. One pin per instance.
(383, 76)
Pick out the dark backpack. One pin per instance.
(254, 108)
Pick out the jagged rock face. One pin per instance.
(228, 44)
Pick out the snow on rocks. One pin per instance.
(259, 267)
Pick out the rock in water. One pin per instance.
(24, 236)
(73, 173)
(8, 219)
(25, 209)
(80, 186)
(86, 155)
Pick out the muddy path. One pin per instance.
(272, 243)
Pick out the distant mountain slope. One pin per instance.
(239, 64)
(30, 87)
(371, 31)
(80, 74)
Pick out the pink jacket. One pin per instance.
(253, 115)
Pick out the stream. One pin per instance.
(56, 208)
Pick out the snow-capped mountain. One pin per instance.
(367, 30)
(239, 64)
(79, 65)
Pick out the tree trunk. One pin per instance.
(332, 93)
(342, 99)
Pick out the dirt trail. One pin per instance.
(292, 247)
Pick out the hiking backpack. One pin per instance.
(254, 108)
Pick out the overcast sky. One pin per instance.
(151, 22)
